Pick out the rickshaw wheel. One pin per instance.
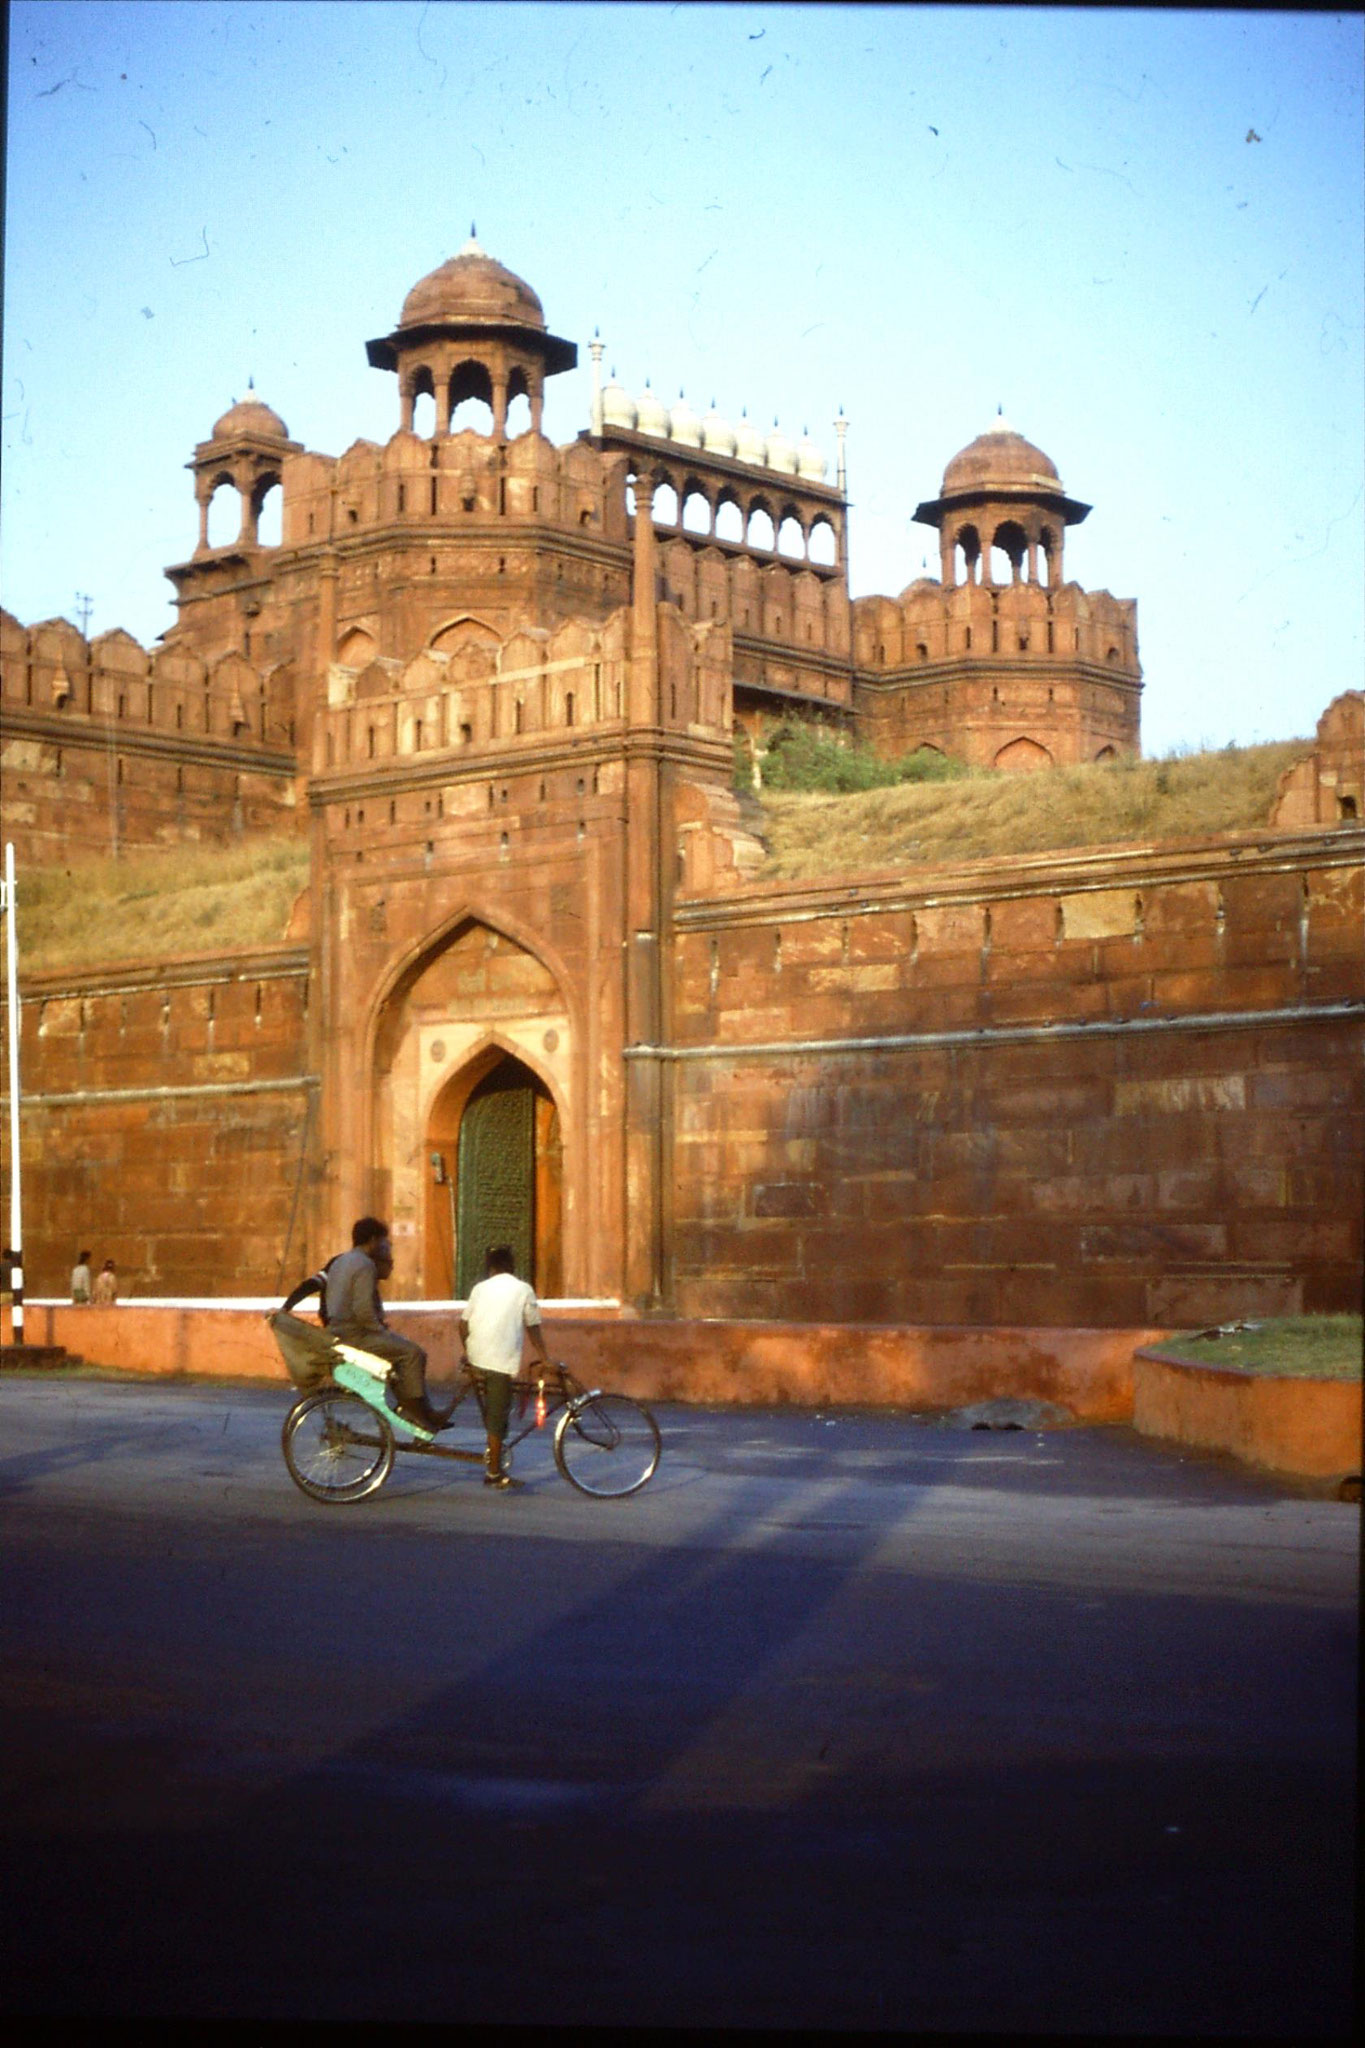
(337, 1448)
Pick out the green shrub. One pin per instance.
(808, 757)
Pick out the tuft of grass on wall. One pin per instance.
(1288, 1347)
(981, 813)
(159, 903)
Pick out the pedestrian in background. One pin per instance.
(80, 1280)
(106, 1286)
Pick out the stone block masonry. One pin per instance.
(165, 1123)
(1052, 1104)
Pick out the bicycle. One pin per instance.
(340, 1439)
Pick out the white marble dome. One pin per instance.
(683, 424)
(749, 443)
(781, 452)
(810, 461)
(618, 407)
(717, 434)
(651, 416)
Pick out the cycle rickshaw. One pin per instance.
(341, 1437)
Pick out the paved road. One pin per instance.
(848, 1721)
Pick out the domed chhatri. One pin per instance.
(1000, 456)
(472, 286)
(250, 416)
(471, 329)
(1001, 491)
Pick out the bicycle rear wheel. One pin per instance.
(607, 1445)
(337, 1448)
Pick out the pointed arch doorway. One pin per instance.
(495, 1130)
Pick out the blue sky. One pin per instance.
(1139, 233)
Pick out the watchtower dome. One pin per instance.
(1001, 492)
(1016, 671)
(247, 449)
(472, 329)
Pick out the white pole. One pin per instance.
(16, 1214)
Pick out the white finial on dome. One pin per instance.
(472, 246)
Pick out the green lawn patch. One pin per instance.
(1287, 1347)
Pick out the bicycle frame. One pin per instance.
(367, 1377)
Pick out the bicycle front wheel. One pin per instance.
(607, 1445)
(337, 1447)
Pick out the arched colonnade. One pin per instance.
(759, 518)
(1031, 548)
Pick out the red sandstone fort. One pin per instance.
(537, 989)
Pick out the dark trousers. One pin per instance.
(408, 1360)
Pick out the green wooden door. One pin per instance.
(496, 1187)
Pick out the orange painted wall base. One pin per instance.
(1310, 1428)
(1088, 1372)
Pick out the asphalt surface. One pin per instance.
(849, 1721)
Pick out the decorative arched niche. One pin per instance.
(1022, 757)
(469, 1003)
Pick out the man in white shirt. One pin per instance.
(500, 1314)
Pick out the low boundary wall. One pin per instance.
(1308, 1427)
(1088, 1372)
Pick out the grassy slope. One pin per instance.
(192, 899)
(913, 824)
(159, 905)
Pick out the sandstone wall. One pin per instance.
(163, 1125)
(1113, 1089)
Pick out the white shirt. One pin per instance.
(498, 1310)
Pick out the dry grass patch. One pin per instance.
(913, 824)
(159, 905)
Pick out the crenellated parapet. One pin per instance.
(1017, 621)
(1015, 675)
(108, 744)
(535, 689)
(465, 479)
(51, 671)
